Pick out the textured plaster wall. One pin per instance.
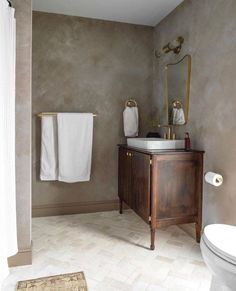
(23, 13)
(208, 27)
(86, 65)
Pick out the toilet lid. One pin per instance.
(221, 239)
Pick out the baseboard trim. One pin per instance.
(74, 208)
(23, 257)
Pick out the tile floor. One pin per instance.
(112, 250)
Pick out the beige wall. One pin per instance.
(208, 27)
(89, 65)
(86, 65)
(23, 12)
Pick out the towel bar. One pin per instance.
(41, 114)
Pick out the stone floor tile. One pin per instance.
(113, 251)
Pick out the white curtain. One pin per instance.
(8, 231)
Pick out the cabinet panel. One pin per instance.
(168, 192)
(124, 177)
(177, 187)
(141, 184)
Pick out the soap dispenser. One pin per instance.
(187, 141)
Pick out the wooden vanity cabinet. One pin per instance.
(163, 187)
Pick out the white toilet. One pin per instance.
(218, 246)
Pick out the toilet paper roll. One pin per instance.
(213, 179)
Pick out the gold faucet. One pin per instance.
(170, 134)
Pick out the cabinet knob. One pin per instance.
(127, 153)
(130, 154)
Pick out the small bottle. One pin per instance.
(187, 141)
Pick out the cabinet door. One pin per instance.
(124, 177)
(177, 186)
(141, 184)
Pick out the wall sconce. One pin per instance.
(173, 46)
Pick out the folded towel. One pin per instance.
(130, 116)
(178, 116)
(75, 137)
(49, 165)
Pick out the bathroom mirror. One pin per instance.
(177, 87)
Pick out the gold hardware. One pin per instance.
(130, 154)
(127, 153)
(169, 134)
(173, 135)
(151, 162)
(41, 114)
(149, 218)
(131, 103)
(172, 46)
(177, 104)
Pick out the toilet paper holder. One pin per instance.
(213, 178)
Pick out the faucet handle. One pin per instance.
(170, 134)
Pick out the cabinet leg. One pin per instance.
(198, 232)
(121, 206)
(153, 231)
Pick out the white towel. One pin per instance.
(49, 151)
(178, 116)
(75, 138)
(130, 116)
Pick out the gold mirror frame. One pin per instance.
(187, 89)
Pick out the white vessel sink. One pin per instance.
(156, 143)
